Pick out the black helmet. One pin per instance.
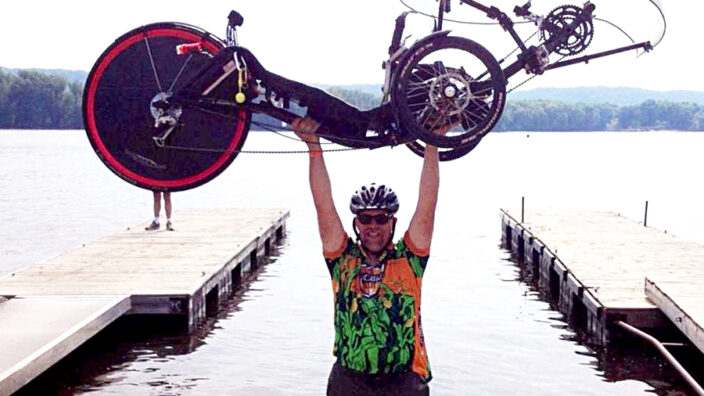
(374, 197)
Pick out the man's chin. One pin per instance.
(373, 248)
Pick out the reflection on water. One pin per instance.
(488, 331)
(630, 359)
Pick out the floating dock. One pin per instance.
(602, 268)
(49, 309)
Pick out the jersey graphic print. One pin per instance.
(370, 277)
(377, 309)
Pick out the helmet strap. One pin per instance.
(354, 228)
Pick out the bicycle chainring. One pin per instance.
(561, 17)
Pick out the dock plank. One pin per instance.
(136, 261)
(683, 303)
(49, 327)
(611, 255)
(50, 308)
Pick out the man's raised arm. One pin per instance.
(331, 230)
(420, 229)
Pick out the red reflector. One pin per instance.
(188, 48)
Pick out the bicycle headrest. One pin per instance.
(235, 18)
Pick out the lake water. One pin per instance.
(487, 332)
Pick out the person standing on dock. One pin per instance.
(379, 341)
(157, 209)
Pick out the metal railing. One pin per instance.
(660, 347)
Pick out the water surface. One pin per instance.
(487, 331)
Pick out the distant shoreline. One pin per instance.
(58, 94)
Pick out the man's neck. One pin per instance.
(373, 258)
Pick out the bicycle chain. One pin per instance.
(198, 149)
(269, 128)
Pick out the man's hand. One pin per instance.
(305, 128)
(443, 130)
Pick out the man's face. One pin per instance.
(376, 233)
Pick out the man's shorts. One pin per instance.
(343, 381)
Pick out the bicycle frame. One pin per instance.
(340, 122)
(534, 59)
(179, 125)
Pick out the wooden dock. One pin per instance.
(50, 308)
(601, 268)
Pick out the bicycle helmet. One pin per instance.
(374, 197)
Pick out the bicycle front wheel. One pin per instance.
(136, 74)
(449, 80)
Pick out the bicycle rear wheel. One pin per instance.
(444, 154)
(138, 70)
(449, 80)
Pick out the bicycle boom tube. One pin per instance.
(586, 58)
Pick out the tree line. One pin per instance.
(558, 116)
(34, 100)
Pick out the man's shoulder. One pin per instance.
(347, 248)
(405, 246)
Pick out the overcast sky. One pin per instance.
(344, 42)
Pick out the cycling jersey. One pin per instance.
(377, 309)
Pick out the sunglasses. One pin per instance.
(379, 219)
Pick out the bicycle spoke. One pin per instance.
(467, 120)
(418, 78)
(151, 59)
(414, 87)
(440, 69)
(479, 115)
(178, 76)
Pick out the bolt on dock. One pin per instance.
(49, 309)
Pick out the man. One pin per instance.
(377, 284)
(157, 208)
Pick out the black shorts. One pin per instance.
(347, 382)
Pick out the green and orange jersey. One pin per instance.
(377, 309)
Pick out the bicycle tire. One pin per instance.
(420, 97)
(118, 119)
(444, 154)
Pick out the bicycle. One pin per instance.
(168, 106)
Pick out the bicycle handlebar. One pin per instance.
(235, 18)
(398, 32)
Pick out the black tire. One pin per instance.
(444, 154)
(118, 119)
(446, 80)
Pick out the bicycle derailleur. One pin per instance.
(165, 115)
